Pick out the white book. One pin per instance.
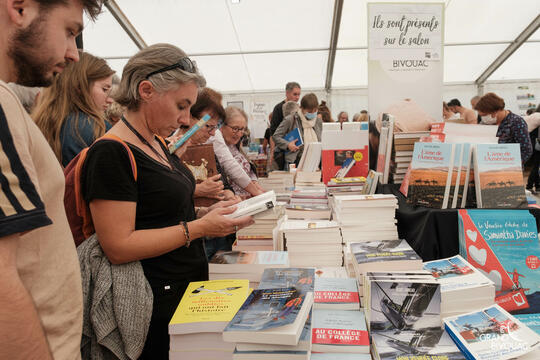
(336, 293)
(458, 163)
(254, 205)
(389, 143)
(491, 333)
(449, 178)
(339, 331)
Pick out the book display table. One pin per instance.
(432, 233)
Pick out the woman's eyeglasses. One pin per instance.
(210, 127)
(236, 129)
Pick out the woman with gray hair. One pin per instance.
(153, 219)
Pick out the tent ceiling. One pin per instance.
(254, 45)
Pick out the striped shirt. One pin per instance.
(32, 205)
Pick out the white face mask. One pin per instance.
(488, 120)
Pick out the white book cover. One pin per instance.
(254, 205)
(491, 333)
(449, 178)
(339, 331)
(336, 293)
(455, 273)
(458, 165)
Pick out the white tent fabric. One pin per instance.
(256, 45)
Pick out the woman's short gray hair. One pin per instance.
(150, 59)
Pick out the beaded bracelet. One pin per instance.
(186, 233)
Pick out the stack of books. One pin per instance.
(306, 179)
(313, 243)
(300, 278)
(377, 256)
(463, 288)
(366, 217)
(282, 182)
(309, 196)
(308, 212)
(404, 146)
(272, 316)
(245, 264)
(261, 235)
(205, 309)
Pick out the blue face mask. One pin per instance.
(311, 116)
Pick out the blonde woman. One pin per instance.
(153, 219)
(71, 113)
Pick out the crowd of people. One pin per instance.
(140, 198)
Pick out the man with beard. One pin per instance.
(40, 284)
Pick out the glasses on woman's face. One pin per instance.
(236, 129)
(210, 128)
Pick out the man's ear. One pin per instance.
(22, 12)
(146, 90)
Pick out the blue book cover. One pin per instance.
(267, 308)
(430, 175)
(499, 176)
(294, 134)
(301, 278)
(503, 245)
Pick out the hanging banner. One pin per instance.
(259, 121)
(405, 55)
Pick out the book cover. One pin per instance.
(430, 170)
(344, 153)
(301, 278)
(499, 176)
(373, 251)
(254, 205)
(234, 257)
(381, 155)
(503, 245)
(267, 308)
(337, 356)
(206, 304)
(456, 273)
(270, 354)
(294, 135)
(405, 321)
(201, 161)
(339, 331)
(388, 121)
(336, 293)
(491, 333)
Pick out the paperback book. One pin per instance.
(270, 316)
(339, 331)
(336, 293)
(499, 176)
(254, 205)
(491, 333)
(201, 161)
(431, 174)
(405, 321)
(301, 278)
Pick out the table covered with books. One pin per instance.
(432, 233)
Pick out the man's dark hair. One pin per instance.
(91, 7)
(291, 85)
(454, 102)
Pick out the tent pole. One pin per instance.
(336, 22)
(125, 23)
(520, 39)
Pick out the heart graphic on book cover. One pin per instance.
(472, 235)
(478, 255)
(494, 276)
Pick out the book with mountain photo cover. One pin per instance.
(503, 245)
(498, 176)
(431, 174)
(405, 322)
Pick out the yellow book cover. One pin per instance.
(207, 306)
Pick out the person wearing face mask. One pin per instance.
(309, 125)
(512, 128)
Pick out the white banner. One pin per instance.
(405, 31)
(405, 55)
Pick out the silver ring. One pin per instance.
(235, 228)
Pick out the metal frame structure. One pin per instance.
(137, 39)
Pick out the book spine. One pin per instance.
(458, 343)
(477, 178)
(458, 176)
(449, 178)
